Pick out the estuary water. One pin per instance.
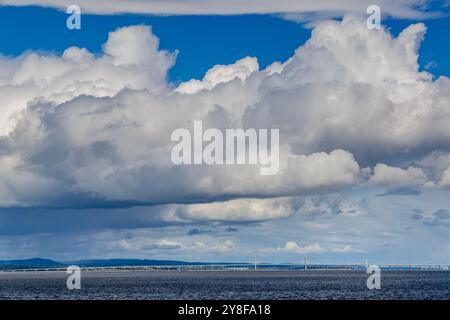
(156, 285)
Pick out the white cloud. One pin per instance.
(312, 208)
(445, 179)
(437, 160)
(162, 244)
(330, 205)
(131, 60)
(226, 246)
(221, 74)
(171, 246)
(347, 249)
(359, 90)
(394, 177)
(402, 8)
(237, 210)
(293, 247)
(84, 130)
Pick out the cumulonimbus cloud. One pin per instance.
(79, 129)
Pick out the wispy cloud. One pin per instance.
(322, 8)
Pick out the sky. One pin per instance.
(363, 114)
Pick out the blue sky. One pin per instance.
(224, 40)
(369, 131)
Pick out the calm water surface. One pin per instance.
(226, 285)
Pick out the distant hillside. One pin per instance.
(29, 263)
(47, 263)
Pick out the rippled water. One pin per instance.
(226, 285)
